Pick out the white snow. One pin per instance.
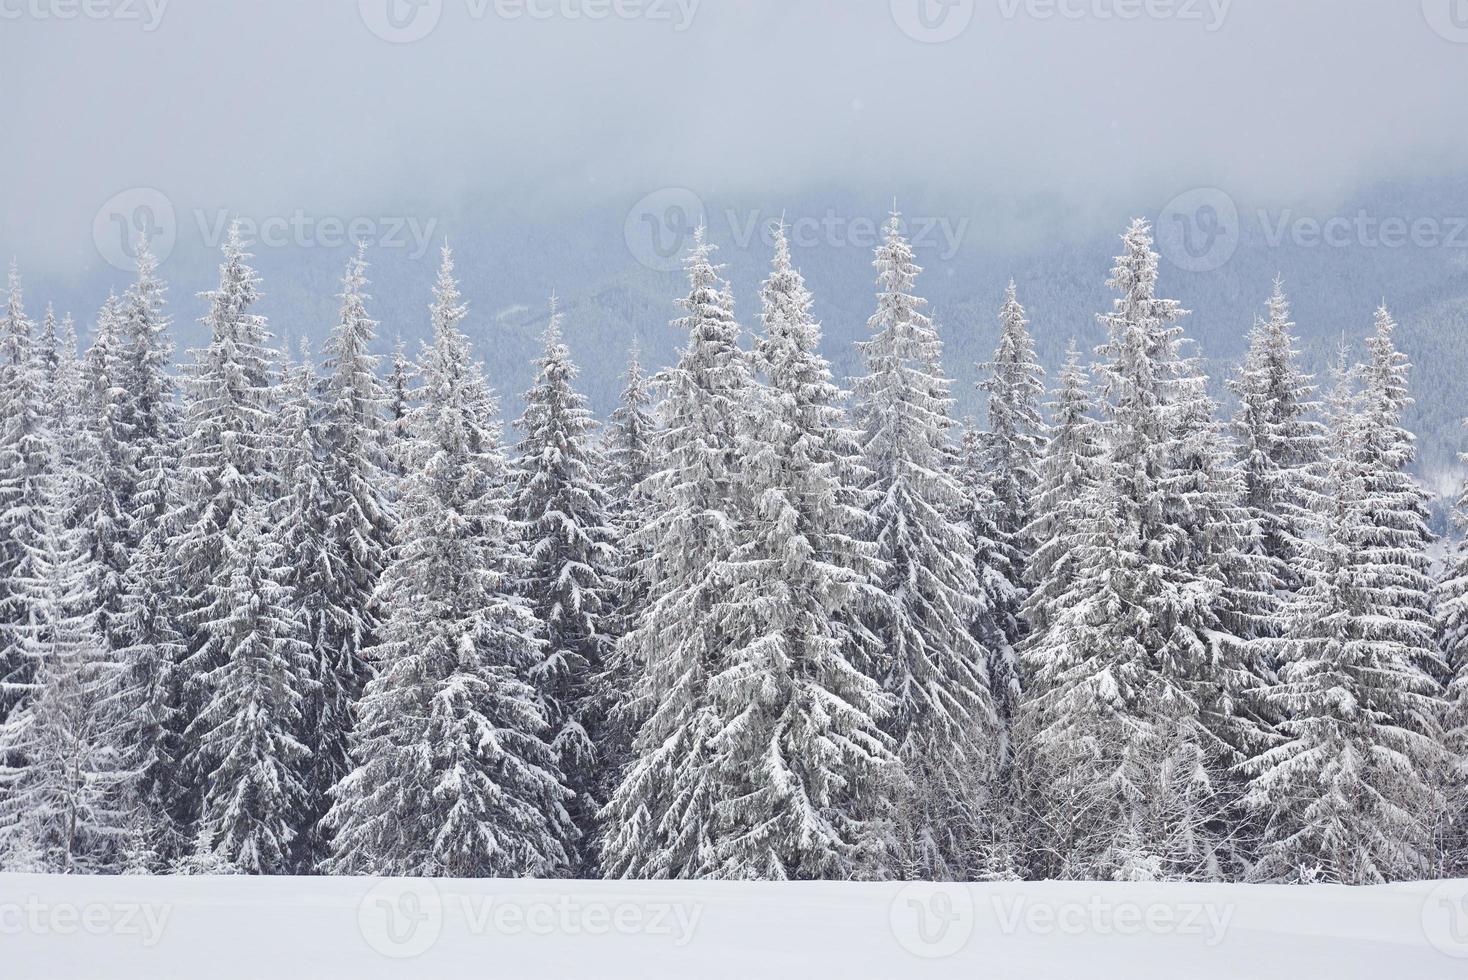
(68, 927)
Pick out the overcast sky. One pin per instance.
(339, 107)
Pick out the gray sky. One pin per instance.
(272, 106)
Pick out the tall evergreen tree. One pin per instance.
(629, 451)
(660, 821)
(351, 463)
(563, 510)
(1126, 672)
(803, 767)
(25, 469)
(944, 722)
(1349, 794)
(452, 774)
(246, 737)
(226, 466)
(65, 769)
(1280, 444)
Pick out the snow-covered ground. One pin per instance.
(321, 928)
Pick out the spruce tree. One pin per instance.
(562, 509)
(660, 821)
(348, 461)
(65, 774)
(25, 469)
(1348, 794)
(1128, 670)
(451, 774)
(803, 767)
(944, 723)
(246, 737)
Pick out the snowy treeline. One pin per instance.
(273, 615)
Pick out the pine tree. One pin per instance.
(944, 723)
(225, 467)
(1125, 675)
(1068, 475)
(246, 736)
(353, 540)
(25, 469)
(629, 452)
(660, 821)
(149, 695)
(399, 406)
(1280, 445)
(562, 508)
(452, 774)
(65, 769)
(1347, 794)
(1000, 464)
(802, 764)
(1451, 604)
(1398, 504)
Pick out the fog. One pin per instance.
(339, 108)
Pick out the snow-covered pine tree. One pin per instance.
(65, 778)
(944, 723)
(149, 694)
(628, 449)
(1012, 447)
(353, 540)
(562, 510)
(246, 737)
(660, 821)
(1123, 674)
(1349, 793)
(803, 768)
(1398, 506)
(1280, 447)
(25, 469)
(226, 466)
(1451, 604)
(1067, 475)
(452, 775)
